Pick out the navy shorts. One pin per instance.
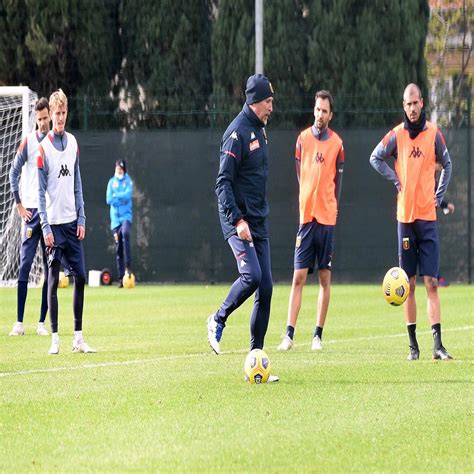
(68, 249)
(314, 241)
(31, 234)
(418, 245)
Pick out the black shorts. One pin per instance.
(418, 246)
(68, 249)
(314, 241)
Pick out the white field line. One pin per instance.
(201, 354)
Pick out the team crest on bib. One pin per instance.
(29, 232)
(298, 242)
(406, 243)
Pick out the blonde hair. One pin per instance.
(57, 99)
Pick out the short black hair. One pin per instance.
(42, 104)
(323, 94)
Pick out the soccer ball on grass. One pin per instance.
(396, 286)
(63, 280)
(257, 367)
(128, 280)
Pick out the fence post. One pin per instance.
(84, 113)
(469, 187)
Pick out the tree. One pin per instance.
(285, 56)
(233, 56)
(59, 43)
(166, 61)
(449, 51)
(362, 53)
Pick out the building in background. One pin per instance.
(450, 67)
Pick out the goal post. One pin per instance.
(17, 119)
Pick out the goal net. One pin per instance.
(17, 119)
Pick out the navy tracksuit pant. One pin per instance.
(253, 263)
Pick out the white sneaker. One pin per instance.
(317, 344)
(273, 378)
(54, 349)
(17, 329)
(82, 346)
(286, 344)
(214, 334)
(41, 330)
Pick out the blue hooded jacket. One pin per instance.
(242, 179)
(119, 198)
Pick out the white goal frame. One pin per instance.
(10, 139)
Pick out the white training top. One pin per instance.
(29, 174)
(60, 166)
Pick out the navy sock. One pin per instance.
(411, 328)
(21, 295)
(290, 332)
(436, 330)
(319, 332)
(53, 281)
(44, 302)
(78, 301)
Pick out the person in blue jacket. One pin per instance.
(119, 198)
(243, 212)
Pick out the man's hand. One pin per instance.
(49, 240)
(81, 232)
(243, 230)
(25, 214)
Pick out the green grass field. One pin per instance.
(154, 398)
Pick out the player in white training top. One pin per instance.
(24, 186)
(61, 209)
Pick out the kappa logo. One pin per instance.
(64, 171)
(243, 263)
(416, 153)
(252, 136)
(318, 158)
(234, 136)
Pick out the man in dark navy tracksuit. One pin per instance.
(243, 211)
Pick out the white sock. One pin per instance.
(78, 336)
(55, 337)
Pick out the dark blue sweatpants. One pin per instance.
(254, 266)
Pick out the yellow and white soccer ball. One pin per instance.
(257, 366)
(63, 280)
(396, 286)
(128, 280)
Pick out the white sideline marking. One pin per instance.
(200, 354)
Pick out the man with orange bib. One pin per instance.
(319, 164)
(417, 145)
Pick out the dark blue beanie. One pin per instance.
(122, 165)
(258, 88)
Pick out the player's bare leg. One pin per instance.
(409, 309)
(323, 305)
(433, 308)
(294, 306)
(432, 303)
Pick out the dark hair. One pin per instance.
(122, 163)
(42, 104)
(325, 95)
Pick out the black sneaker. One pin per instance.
(120, 284)
(442, 354)
(414, 353)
